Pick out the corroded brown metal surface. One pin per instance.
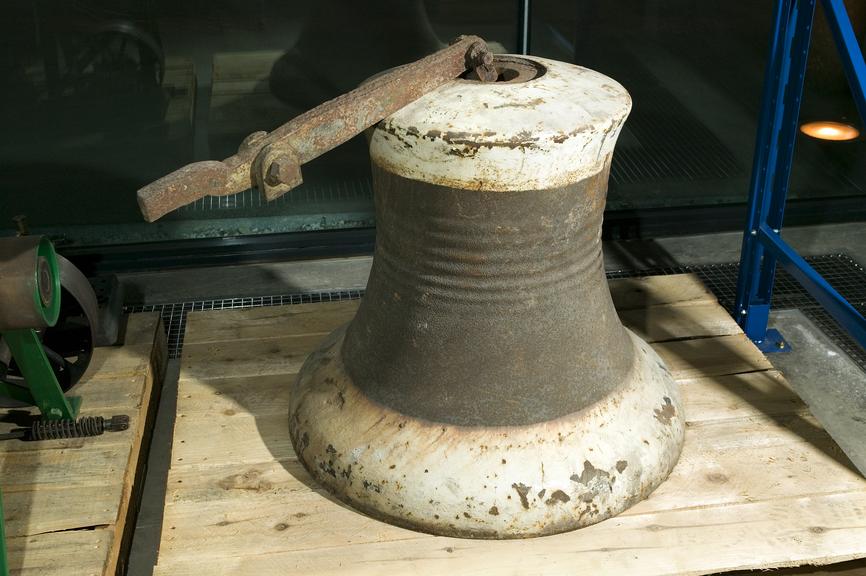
(271, 161)
(505, 291)
(28, 286)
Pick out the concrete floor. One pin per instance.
(820, 373)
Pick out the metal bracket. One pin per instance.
(42, 390)
(272, 161)
(773, 342)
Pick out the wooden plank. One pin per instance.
(133, 477)
(669, 322)
(47, 468)
(61, 508)
(681, 541)
(278, 355)
(268, 322)
(81, 553)
(738, 396)
(635, 293)
(712, 356)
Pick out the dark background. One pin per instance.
(100, 97)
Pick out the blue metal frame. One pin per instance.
(763, 246)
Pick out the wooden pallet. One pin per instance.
(760, 484)
(70, 504)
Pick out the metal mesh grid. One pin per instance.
(845, 274)
(664, 141)
(174, 315)
(252, 200)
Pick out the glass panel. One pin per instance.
(100, 97)
(695, 70)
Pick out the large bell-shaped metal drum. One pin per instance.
(486, 387)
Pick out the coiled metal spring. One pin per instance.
(86, 426)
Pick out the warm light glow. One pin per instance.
(825, 130)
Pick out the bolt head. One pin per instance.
(283, 170)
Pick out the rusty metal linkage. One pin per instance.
(272, 161)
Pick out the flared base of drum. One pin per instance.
(487, 482)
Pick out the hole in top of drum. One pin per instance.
(512, 70)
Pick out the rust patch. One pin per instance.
(250, 480)
(494, 511)
(338, 400)
(621, 465)
(347, 473)
(328, 468)
(557, 496)
(522, 491)
(666, 413)
(589, 474)
(528, 104)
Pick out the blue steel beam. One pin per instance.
(833, 302)
(849, 50)
(777, 133)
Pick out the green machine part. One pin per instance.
(30, 300)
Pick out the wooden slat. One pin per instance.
(738, 396)
(267, 322)
(669, 322)
(60, 508)
(712, 356)
(635, 293)
(278, 355)
(81, 552)
(795, 530)
(759, 482)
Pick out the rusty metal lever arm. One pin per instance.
(272, 161)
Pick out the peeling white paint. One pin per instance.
(544, 133)
(538, 479)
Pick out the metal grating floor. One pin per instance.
(845, 274)
(663, 141)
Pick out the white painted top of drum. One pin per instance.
(551, 131)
